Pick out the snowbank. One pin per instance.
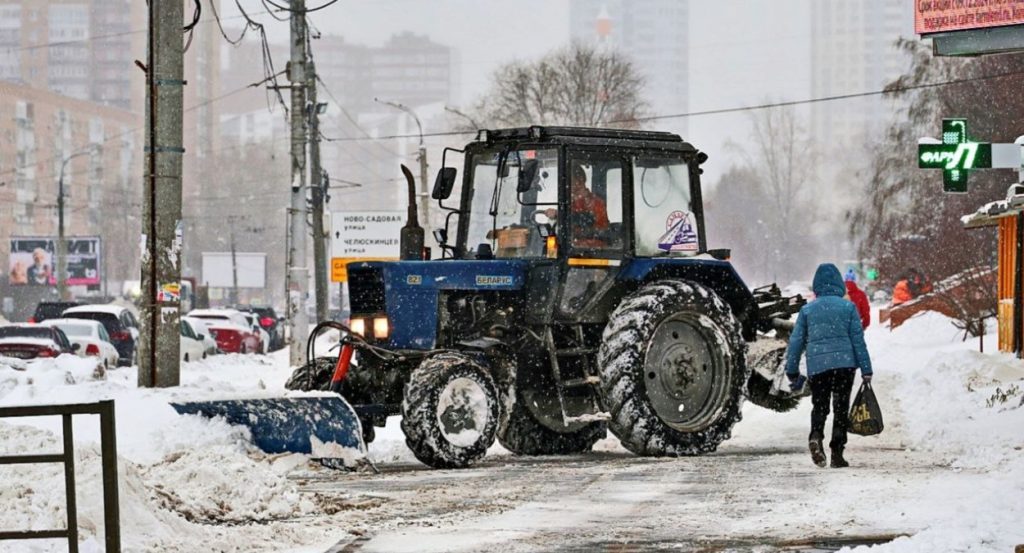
(964, 408)
(186, 483)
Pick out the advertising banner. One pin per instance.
(33, 261)
(942, 16)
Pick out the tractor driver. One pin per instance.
(588, 211)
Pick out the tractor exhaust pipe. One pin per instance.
(411, 240)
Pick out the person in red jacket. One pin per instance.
(858, 297)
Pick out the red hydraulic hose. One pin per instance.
(341, 369)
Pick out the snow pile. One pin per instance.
(964, 408)
(186, 483)
(216, 486)
(37, 376)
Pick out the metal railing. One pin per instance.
(108, 448)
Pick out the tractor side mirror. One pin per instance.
(527, 174)
(444, 183)
(441, 236)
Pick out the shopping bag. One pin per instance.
(865, 414)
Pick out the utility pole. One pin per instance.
(161, 217)
(234, 265)
(62, 242)
(298, 272)
(317, 185)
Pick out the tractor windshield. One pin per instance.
(500, 216)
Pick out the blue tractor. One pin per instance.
(577, 296)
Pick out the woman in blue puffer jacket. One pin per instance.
(829, 330)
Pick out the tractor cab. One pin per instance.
(592, 197)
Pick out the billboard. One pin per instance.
(32, 261)
(363, 236)
(218, 271)
(942, 16)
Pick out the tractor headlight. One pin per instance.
(358, 326)
(380, 328)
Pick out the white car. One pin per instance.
(254, 321)
(202, 329)
(91, 337)
(192, 347)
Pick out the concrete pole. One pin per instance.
(158, 347)
(62, 243)
(298, 271)
(424, 203)
(317, 183)
(234, 268)
(61, 274)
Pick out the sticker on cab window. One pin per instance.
(680, 236)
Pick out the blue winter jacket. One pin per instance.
(828, 329)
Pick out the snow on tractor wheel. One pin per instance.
(524, 435)
(450, 412)
(673, 369)
(766, 363)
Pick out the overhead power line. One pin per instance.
(738, 109)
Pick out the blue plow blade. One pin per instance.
(286, 425)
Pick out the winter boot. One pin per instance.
(838, 461)
(817, 453)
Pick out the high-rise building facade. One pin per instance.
(853, 50)
(654, 34)
(76, 48)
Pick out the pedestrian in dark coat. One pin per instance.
(859, 299)
(829, 331)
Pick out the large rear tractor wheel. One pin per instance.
(451, 411)
(525, 435)
(673, 369)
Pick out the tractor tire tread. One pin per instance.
(620, 360)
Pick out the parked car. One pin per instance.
(270, 322)
(120, 323)
(230, 328)
(192, 347)
(252, 318)
(32, 341)
(91, 337)
(51, 310)
(202, 329)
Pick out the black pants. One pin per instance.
(832, 386)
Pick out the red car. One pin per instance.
(231, 330)
(27, 341)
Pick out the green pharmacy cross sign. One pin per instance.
(956, 155)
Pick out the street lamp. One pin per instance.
(62, 245)
(421, 157)
(472, 122)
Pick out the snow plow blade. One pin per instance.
(325, 427)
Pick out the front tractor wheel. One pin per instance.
(450, 412)
(673, 369)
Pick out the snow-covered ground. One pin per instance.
(948, 472)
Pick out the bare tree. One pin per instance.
(580, 85)
(778, 214)
(905, 218)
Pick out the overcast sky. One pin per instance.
(742, 52)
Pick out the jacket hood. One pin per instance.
(828, 281)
